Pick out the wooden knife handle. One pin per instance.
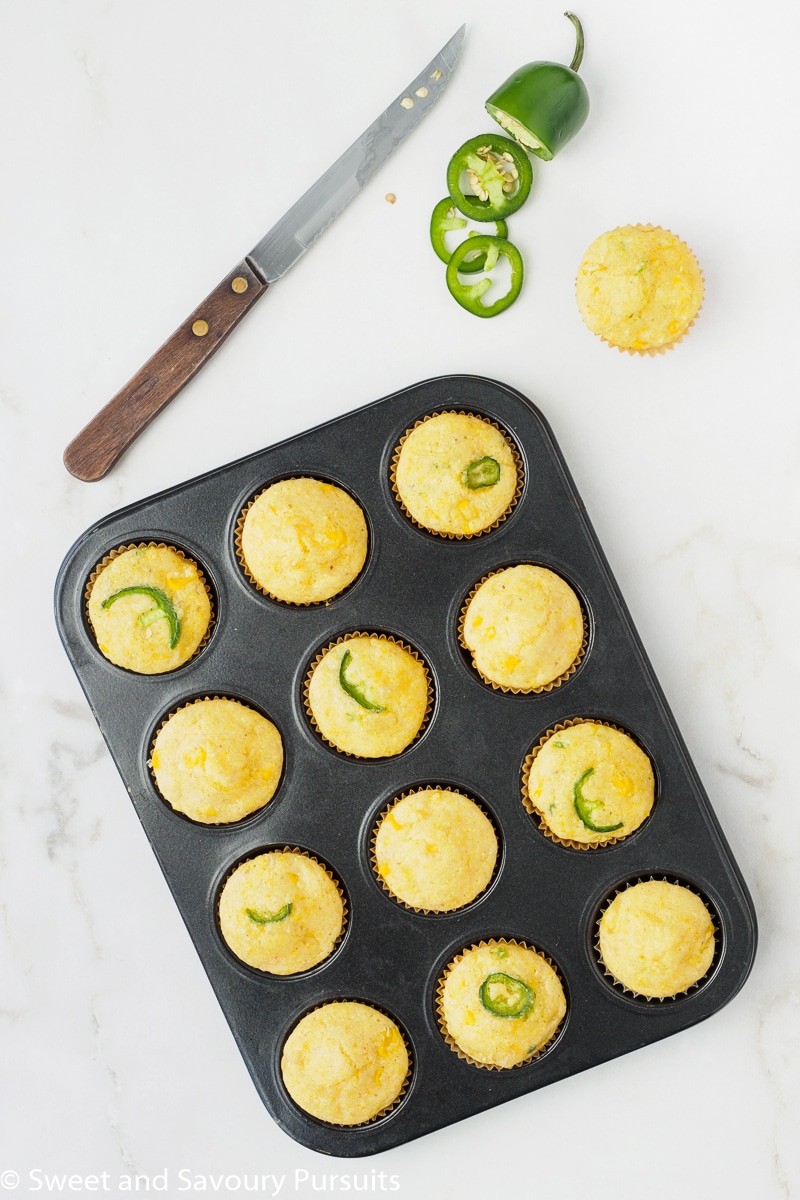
(92, 454)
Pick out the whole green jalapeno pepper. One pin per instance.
(543, 104)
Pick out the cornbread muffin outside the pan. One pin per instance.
(368, 696)
(523, 627)
(142, 631)
(281, 912)
(441, 482)
(304, 541)
(591, 783)
(501, 1002)
(639, 288)
(436, 850)
(657, 938)
(217, 760)
(345, 1063)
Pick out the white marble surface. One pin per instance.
(145, 147)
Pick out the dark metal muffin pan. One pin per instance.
(413, 586)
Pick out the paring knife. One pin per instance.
(92, 454)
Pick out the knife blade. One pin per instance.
(99, 445)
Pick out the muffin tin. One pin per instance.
(412, 587)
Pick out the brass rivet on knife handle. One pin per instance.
(92, 454)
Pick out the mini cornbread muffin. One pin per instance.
(590, 784)
(656, 938)
(303, 541)
(500, 1003)
(345, 1063)
(435, 850)
(523, 627)
(150, 609)
(281, 912)
(368, 696)
(639, 288)
(455, 474)
(217, 760)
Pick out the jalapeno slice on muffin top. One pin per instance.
(505, 996)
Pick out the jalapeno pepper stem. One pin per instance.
(577, 57)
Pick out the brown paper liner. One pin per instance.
(384, 1112)
(382, 637)
(312, 858)
(539, 816)
(545, 687)
(240, 558)
(115, 553)
(440, 1001)
(652, 351)
(430, 912)
(461, 412)
(621, 987)
(173, 712)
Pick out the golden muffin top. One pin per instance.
(657, 938)
(435, 849)
(501, 1003)
(281, 912)
(456, 474)
(150, 609)
(217, 760)
(523, 627)
(639, 287)
(345, 1063)
(368, 696)
(591, 784)
(303, 540)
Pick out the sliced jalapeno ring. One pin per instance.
(499, 175)
(352, 689)
(469, 295)
(505, 995)
(164, 609)
(482, 473)
(585, 807)
(446, 218)
(268, 918)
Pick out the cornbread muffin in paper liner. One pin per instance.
(591, 766)
(282, 911)
(149, 607)
(524, 629)
(346, 1063)
(483, 981)
(216, 760)
(368, 695)
(434, 850)
(656, 939)
(302, 541)
(432, 462)
(639, 288)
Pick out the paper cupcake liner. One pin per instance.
(440, 1004)
(461, 412)
(173, 712)
(373, 861)
(312, 858)
(384, 1112)
(652, 351)
(623, 988)
(115, 553)
(501, 687)
(251, 579)
(382, 637)
(538, 816)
